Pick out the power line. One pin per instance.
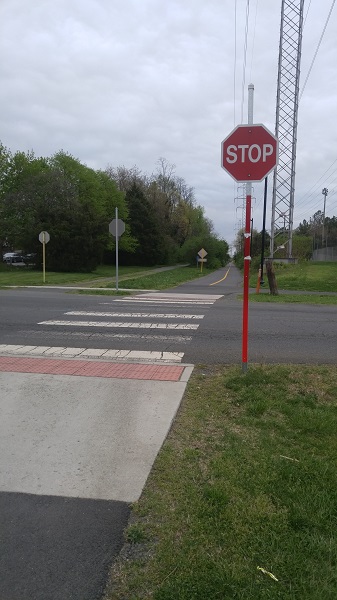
(314, 194)
(307, 194)
(316, 206)
(318, 46)
(306, 16)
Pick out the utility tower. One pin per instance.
(287, 99)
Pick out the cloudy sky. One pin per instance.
(125, 82)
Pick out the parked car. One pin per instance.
(13, 258)
(30, 259)
(8, 256)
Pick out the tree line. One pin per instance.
(320, 229)
(316, 232)
(75, 204)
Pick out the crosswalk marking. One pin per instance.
(158, 298)
(79, 313)
(112, 323)
(102, 353)
(121, 335)
(118, 324)
(161, 298)
(177, 296)
(142, 300)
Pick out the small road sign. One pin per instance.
(249, 153)
(44, 237)
(117, 227)
(202, 253)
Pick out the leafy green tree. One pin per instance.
(19, 198)
(304, 228)
(302, 246)
(144, 227)
(330, 228)
(60, 195)
(217, 250)
(169, 207)
(75, 204)
(5, 163)
(255, 247)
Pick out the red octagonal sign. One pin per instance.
(249, 153)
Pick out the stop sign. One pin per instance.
(249, 153)
(117, 226)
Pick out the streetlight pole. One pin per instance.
(325, 193)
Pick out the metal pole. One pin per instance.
(247, 257)
(44, 257)
(116, 238)
(251, 236)
(325, 193)
(264, 227)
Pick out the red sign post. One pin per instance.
(249, 153)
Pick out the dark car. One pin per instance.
(13, 258)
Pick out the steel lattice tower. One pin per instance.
(287, 99)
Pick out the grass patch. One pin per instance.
(245, 488)
(25, 276)
(307, 276)
(128, 277)
(163, 280)
(297, 298)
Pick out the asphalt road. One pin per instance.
(278, 333)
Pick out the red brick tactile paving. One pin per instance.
(83, 368)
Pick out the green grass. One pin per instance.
(104, 277)
(292, 298)
(245, 481)
(306, 276)
(164, 280)
(22, 276)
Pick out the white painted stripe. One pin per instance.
(79, 313)
(37, 350)
(120, 335)
(21, 349)
(149, 355)
(117, 324)
(72, 351)
(176, 296)
(159, 301)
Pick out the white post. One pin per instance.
(250, 122)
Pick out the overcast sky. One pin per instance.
(124, 82)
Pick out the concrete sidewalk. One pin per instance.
(78, 439)
(84, 428)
